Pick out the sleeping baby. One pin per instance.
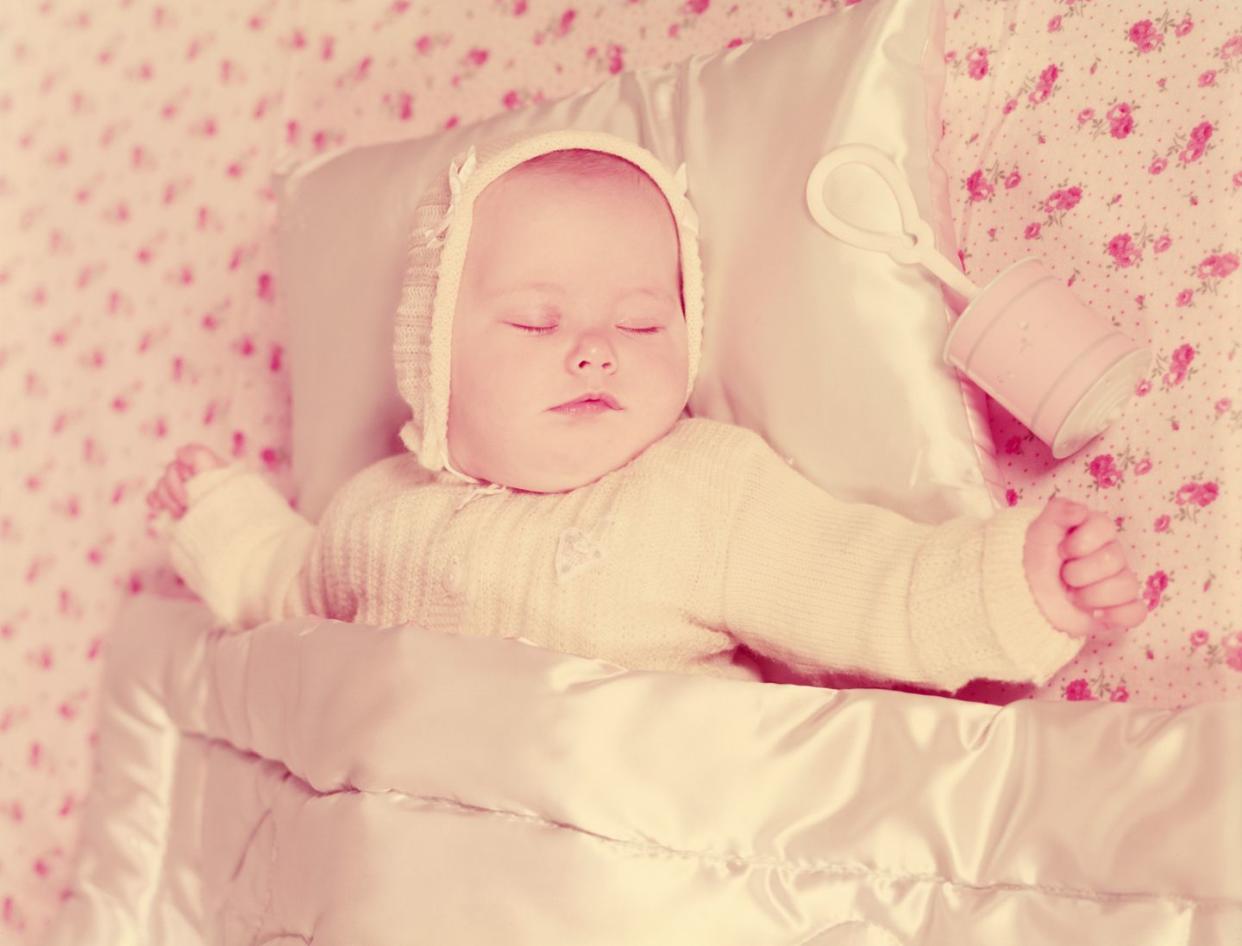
(553, 489)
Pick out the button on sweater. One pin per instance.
(704, 542)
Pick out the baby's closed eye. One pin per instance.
(533, 327)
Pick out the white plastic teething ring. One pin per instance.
(897, 245)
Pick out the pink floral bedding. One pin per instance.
(138, 304)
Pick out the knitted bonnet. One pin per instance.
(439, 236)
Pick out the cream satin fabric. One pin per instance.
(317, 782)
(832, 353)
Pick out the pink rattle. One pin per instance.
(1024, 338)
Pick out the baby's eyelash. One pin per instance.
(544, 329)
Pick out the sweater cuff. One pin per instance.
(972, 612)
(1036, 648)
(231, 511)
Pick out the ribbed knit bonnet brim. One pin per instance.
(440, 233)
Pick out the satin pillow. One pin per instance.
(831, 353)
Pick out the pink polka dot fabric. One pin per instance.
(140, 308)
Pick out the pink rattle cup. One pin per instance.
(1024, 338)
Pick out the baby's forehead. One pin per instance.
(577, 170)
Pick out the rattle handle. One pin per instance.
(914, 245)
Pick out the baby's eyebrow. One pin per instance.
(555, 289)
(529, 287)
(657, 294)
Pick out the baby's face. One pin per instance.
(570, 288)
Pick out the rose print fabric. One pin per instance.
(139, 307)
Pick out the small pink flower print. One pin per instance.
(1013, 446)
(1184, 27)
(1237, 179)
(476, 56)
(1123, 251)
(1184, 297)
(1161, 524)
(1066, 199)
(1218, 265)
(1086, 115)
(1157, 166)
(1186, 493)
(1179, 363)
(697, 7)
(1198, 638)
(512, 99)
(1103, 472)
(1232, 47)
(977, 63)
(978, 188)
(1145, 36)
(1121, 127)
(1207, 494)
(616, 58)
(1222, 405)
(566, 22)
(1173, 377)
(423, 44)
(1010, 105)
(1043, 87)
(1162, 244)
(1143, 388)
(1054, 24)
(1032, 231)
(1142, 467)
(1011, 497)
(1013, 180)
(1078, 689)
(1208, 78)
(1201, 132)
(1233, 658)
(1154, 589)
(1197, 145)
(1119, 695)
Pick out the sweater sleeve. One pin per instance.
(823, 584)
(244, 551)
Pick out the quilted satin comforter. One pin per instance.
(312, 781)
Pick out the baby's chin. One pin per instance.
(553, 470)
(535, 477)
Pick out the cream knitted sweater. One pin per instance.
(705, 541)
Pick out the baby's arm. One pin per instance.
(823, 584)
(237, 543)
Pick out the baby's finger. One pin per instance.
(1095, 532)
(198, 458)
(176, 485)
(167, 500)
(1111, 592)
(1066, 512)
(1100, 564)
(1126, 615)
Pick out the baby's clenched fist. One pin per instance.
(169, 493)
(1078, 572)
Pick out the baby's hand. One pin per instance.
(169, 493)
(1078, 573)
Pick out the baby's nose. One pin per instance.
(593, 352)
